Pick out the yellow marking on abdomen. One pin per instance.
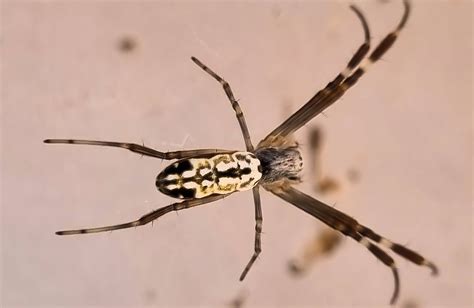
(201, 177)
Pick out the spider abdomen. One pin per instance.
(200, 177)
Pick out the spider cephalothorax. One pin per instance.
(280, 163)
(206, 175)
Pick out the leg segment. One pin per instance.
(258, 232)
(350, 227)
(358, 56)
(352, 64)
(238, 111)
(335, 89)
(148, 217)
(140, 149)
(406, 253)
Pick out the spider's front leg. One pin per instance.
(344, 80)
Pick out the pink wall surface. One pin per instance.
(406, 127)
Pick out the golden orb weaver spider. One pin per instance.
(206, 175)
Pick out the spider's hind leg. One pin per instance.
(145, 219)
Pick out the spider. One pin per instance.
(202, 176)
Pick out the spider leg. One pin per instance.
(238, 111)
(350, 227)
(140, 149)
(258, 232)
(335, 89)
(326, 240)
(398, 249)
(148, 217)
(358, 56)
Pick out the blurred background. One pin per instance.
(121, 71)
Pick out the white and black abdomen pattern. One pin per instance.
(201, 177)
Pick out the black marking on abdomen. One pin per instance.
(179, 193)
(232, 172)
(179, 167)
(165, 182)
(185, 193)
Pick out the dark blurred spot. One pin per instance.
(329, 240)
(410, 303)
(238, 301)
(327, 185)
(276, 12)
(127, 44)
(323, 244)
(353, 175)
(150, 296)
(295, 268)
(315, 136)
